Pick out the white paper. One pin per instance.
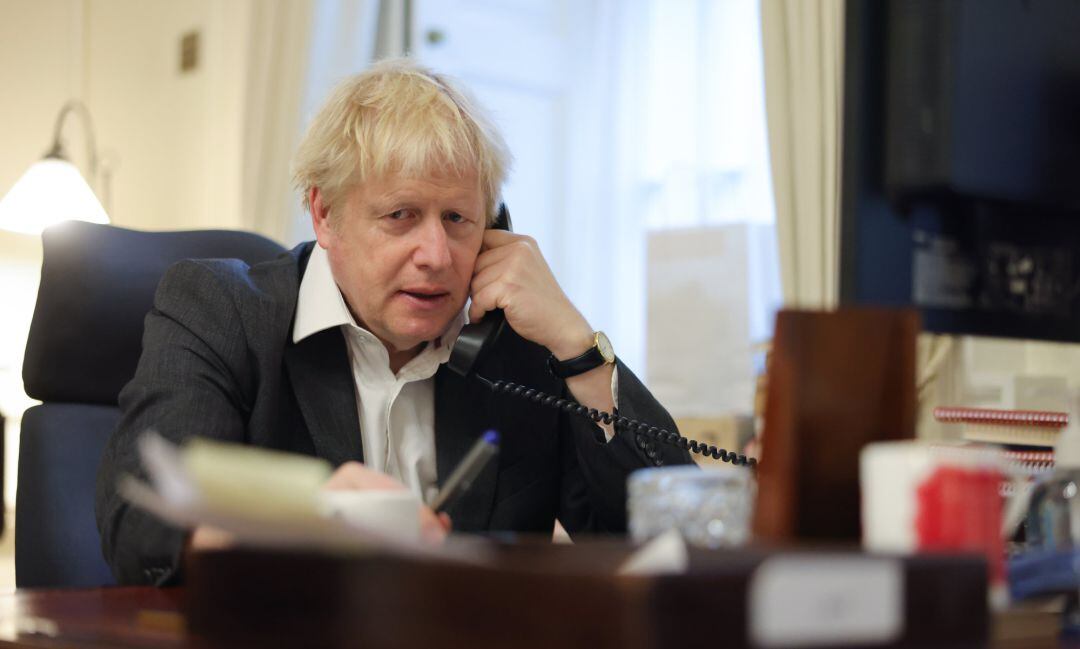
(664, 555)
(173, 495)
(817, 600)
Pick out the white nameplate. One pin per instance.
(815, 600)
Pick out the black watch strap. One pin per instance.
(590, 360)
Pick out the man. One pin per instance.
(337, 348)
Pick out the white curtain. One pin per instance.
(277, 70)
(344, 35)
(299, 49)
(803, 47)
(804, 64)
(665, 97)
(604, 198)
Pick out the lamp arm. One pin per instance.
(57, 151)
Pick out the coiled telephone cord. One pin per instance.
(621, 423)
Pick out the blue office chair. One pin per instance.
(97, 285)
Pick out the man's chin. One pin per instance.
(411, 334)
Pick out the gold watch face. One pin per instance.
(604, 345)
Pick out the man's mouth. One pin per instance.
(425, 296)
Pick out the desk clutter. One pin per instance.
(1026, 438)
(849, 533)
(1026, 428)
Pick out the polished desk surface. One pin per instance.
(147, 617)
(97, 617)
(252, 598)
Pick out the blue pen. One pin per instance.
(485, 448)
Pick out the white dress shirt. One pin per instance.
(397, 413)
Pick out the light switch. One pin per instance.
(189, 52)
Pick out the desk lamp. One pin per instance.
(52, 190)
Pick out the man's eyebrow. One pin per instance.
(458, 201)
(383, 202)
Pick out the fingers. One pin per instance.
(492, 256)
(500, 244)
(432, 527)
(486, 277)
(211, 538)
(497, 267)
(496, 238)
(483, 301)
(352, 476)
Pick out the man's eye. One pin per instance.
(398, 215)
(454, 217)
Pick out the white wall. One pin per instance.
(39, 42)
(174, 137)
(173, 140)
(1000, 373)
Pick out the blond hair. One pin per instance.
(399, 118)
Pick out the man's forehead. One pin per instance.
(461, 186)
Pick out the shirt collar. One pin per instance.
(320, 306)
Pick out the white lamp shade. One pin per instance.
(51, 191)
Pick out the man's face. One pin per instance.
(402, 252)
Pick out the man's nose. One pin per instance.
(433, 247)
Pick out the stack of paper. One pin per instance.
(260, 497)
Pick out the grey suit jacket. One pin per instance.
(218, 360)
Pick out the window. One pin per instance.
(636, 124)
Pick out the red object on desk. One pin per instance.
(960, 509)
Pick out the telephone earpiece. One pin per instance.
(502, 219)
(476, 339)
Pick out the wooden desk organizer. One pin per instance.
(534, 595)
(837, 381)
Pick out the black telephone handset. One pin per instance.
(476, 339)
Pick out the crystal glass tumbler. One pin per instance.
(710, 506)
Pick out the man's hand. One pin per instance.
(209, 538)
(353, 476)
(511, 274)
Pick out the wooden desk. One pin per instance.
(151, 618)
(558, 596)
(101, 617)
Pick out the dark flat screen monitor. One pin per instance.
(961, 164)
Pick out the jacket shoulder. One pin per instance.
(261, 297)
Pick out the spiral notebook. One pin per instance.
(1011, 427)
(1027, 438)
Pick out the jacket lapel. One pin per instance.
(322, 380)
(464, 409)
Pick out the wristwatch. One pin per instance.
(600, 353)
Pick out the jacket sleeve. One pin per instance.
(189, 381)
(594, 498)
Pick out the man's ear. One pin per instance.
(320, 217)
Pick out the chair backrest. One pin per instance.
(97, 285)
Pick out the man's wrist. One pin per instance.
(574, 344)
